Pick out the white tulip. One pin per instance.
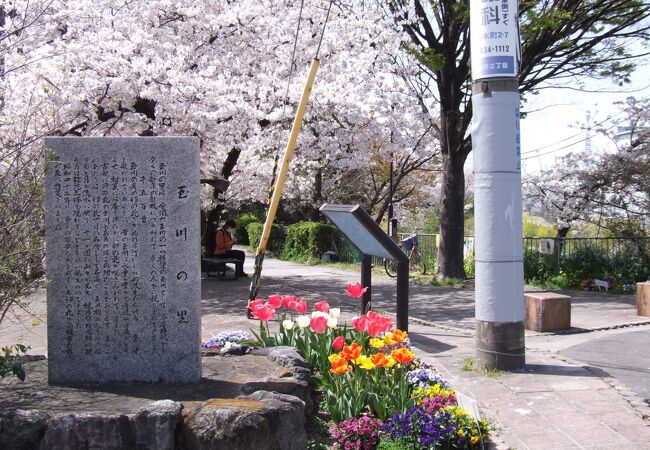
(335, 313)
(332, 322)
(319, 314)
(288, 324)
(303, 321)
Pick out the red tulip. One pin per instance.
(355, 290)
(372, 315)
(255, 304)
(301, 307)
(318, 324)
(360, 323)
(375, 328)
(322, 306)
(338, 344)
(275, 301)
(289, 301)
(263, 312)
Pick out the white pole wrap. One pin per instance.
(497, 207)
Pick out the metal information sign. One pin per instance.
(370, 239)
(495, 53)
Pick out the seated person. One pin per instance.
(225, 241)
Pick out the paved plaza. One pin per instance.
(582, 389)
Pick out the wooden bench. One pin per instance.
(547, 311)
(218, 265)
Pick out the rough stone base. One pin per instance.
(643, 299)
(547, 311)
(232, 408)
(500, 345)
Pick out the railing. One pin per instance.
(428, 248)
(610, 247)
(623, 251)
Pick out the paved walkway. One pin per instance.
(569, 396)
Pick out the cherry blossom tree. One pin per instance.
(217, 70)
(562, 42)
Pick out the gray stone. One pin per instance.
(263, 420)
(122, 230)
(235, 350)
(283, 356)
(289, 386)
(88, 431)
(156, 424)
(21, 429)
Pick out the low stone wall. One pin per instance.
(269, 414)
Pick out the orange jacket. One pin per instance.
(224, 242)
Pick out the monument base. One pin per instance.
(500, 345)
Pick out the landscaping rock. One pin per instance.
(283, 356)
(155, 425)
(288, 386)
(287, 416)
(263, 420)
(301, 373)
(87, 431)
(21, 429)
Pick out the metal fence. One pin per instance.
(428, 247)
(625, 249)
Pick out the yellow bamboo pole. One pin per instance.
(288, 152)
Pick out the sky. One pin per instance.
(553, 127)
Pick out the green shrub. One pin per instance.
(11, 361)
(539, 266)
(469, 263)
(241, 231)
(276, 240)
(309, 240)
(583, 264)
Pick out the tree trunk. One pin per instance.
(452, 218)
(558, 241)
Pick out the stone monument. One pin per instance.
(123, 267)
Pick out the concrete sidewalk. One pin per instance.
(557, 402)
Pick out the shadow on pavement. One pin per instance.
(580, 371)
(431, 345)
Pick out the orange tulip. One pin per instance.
(351, 352)
(399, 335)
(339, 364)
(381, 360)
(403, 355)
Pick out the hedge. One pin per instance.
(308, 240)
(241, 231)
(276, 240)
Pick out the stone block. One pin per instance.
(263, 420)
(86, 431)
(156, 424)
(123, 257)
(643, 299)
(547, 311)
(22, 429)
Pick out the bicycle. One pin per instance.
(416, 262)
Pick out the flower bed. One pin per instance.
(378, 394)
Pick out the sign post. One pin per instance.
(497, 184)
(370, 239)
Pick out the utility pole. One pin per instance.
(497, 185)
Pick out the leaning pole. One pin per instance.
(497, 184)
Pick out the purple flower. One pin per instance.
(220, 340)
(419, 427)
(421, 378)
(358, 433)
